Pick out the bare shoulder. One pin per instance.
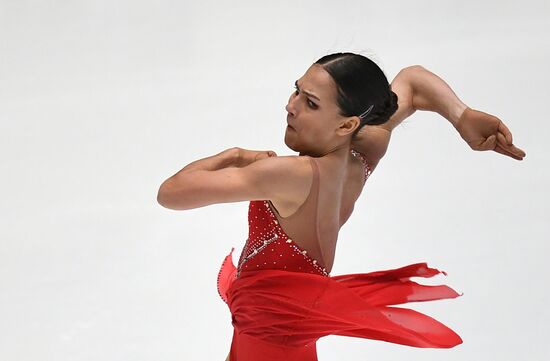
(372, 142)
(286, 177)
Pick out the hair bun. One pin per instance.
(360, 83)
(383, 112)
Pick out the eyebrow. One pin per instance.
(305, 91)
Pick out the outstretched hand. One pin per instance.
(484, 131)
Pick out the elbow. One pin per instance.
(173, 195)
(162, 198)
(411, 71)
(414, 68)
(165, 197)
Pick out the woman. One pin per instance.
(281, 295)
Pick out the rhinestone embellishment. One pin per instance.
(366, 165)
(255, 252)
(265, 230)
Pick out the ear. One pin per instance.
(348, 125)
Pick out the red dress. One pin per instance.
(282, 301)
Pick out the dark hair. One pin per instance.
(361, 83)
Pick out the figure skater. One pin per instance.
(281, 295)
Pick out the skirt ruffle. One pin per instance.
(292, 309)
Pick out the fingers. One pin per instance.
(502, 141)
(268, 153)
(501, 138)
(505, 143)
(501, 150)
(488, 132)
(518, 151)
(499, 144)
(510, 150)
(489, 143)
(513, 150)
(502, 128)
(262, 154)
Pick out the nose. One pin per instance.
(290, 106)
(289, 109)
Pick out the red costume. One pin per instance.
(282, 300)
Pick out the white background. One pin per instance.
(101, 101)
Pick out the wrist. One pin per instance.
(455, 112)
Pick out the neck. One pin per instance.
(339, 151)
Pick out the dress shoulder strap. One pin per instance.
(366, 166)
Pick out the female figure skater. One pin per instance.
(281, 295)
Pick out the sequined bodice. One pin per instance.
(269, 247)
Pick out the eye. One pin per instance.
(309, 102)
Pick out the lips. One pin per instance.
(288, 124)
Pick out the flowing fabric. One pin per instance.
(282, 298)
(279, 314)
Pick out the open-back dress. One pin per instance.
(282, 299)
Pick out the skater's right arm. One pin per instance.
(236, 175)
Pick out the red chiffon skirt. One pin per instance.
(279, 315)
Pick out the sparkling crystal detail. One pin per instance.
(264, 233)
(366, 165)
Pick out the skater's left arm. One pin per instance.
(419, 89)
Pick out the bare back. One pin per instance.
(314, 220)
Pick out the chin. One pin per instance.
(291, 145)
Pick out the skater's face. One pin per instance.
(315, 124)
